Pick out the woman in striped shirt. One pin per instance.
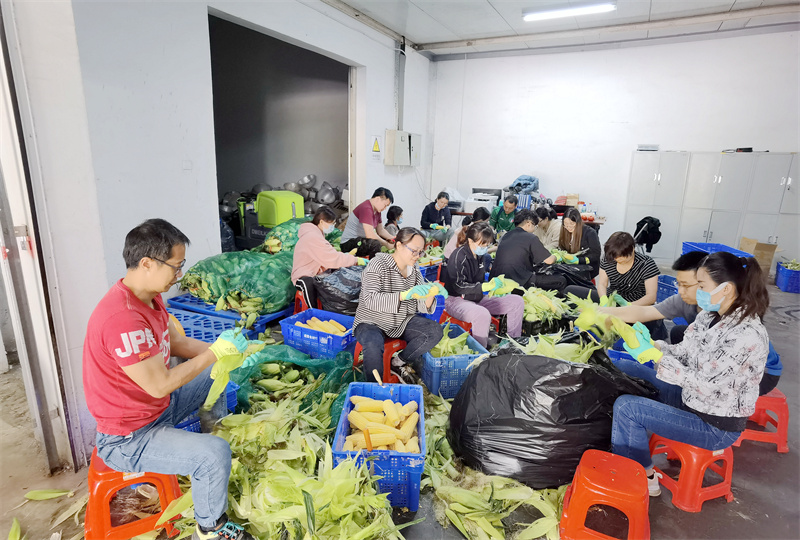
(631, 275)
(393, 292)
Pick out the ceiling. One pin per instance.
(444, 27)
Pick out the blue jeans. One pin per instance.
(635, 418)
(160, 448)
(420, 334)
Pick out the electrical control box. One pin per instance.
(402, 148)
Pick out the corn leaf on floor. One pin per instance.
(766, 484)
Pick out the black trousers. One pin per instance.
(556, 282)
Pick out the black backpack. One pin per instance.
(647, 232)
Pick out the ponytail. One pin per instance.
(752, 297)
(462, 236)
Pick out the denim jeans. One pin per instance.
(635, 418)
(420, 334)
(160, 448)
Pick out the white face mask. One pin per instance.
(329, 230)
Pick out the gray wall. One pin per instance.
(280, 111)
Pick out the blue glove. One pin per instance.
(229, 342)
(643, 330)
(416, 292)
(622, 302)
(646, 351)
(254, 358)
(434, 226)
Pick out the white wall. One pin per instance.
(573, 119)
(280, 111)
(123, 95)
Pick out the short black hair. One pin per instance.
(689, 261)
(525, 215)
(383, 192)
(393, 213)
(543, 213)
(619, 244)
(154, 239)
(480, 214)
(324, 213)
(512, 199)
(443, 195)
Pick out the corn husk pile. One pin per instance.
(544, 306)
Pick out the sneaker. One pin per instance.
(406, 374)
(228, 531)
(653, 486)
(396, 362)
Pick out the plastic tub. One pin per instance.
(315, 343)
(787, 280)
(712, 248)
(445, 375)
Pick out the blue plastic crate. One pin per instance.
(787, 280)
(200, 326)
(192, 303)
(192, 422)
(667, 286)
(313, 342)
(437, 313)
(401, 472)
(712, 248)
(445, 375)
(431, 272)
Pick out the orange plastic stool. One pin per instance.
(447, 317)
(300, 303)
(688, 492)
(105, 482)
(390, 346)
(775, 402)
(608, 479)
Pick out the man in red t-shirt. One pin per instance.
(364, 230)
(137, 399)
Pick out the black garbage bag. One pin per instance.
(530, 418)
(575, 274)
(338, 291)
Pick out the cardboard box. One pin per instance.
(572, 199)
(764, 253)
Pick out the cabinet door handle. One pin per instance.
(776, 239)
(710, 234)
(720, 179)
(705, 233)
(655, 176)
(715, 179)
(659, 179)
(789, 181)
(769, 240)
(783, 180)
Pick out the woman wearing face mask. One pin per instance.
(708, 384)
(394, 218)
(463, 275)
(313, 254)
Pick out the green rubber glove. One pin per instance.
(492, 285)
(570, 259)
(434, 226)
(362, 261)
(416, 292)
(253, 353)
(619, 300)
(645, 352)
(228, 343)
(559, 258)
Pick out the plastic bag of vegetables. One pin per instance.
(270, 281)
(530, 418)
(282, 237)
(214, 276)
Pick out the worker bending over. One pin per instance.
(364, 231)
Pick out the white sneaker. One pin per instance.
(396, 362)
(653, 486)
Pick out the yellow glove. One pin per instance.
(228, 343)
(362, 261)
(353, 251)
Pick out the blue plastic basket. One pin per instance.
(712, 248)
(188, 302)
(199, 326)
(445, 375)
(667, 286)
(401, 472)
(192, 422)
(437, 313)
(313, 342)
(431, 272)
(787, 280)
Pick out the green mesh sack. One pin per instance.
(270, 281)
(286, 232)
(335, 239)
(214, 276)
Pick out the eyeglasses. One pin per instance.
(178, 269)
(686, 286)
(415, 252)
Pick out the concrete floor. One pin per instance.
(766, 484)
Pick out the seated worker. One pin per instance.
(520, 250)
(577, 236)
(708, 384)
(313, 254)
(137, 399)
(549, 228)
(684, 305)
(436, 219)
(394, 218)
(479, 214)
(392, 293)
(463, 275)
(364, 226)
(502, 218)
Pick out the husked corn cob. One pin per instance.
(338, 325)
(408, 427)
(357, 420)
(377, 439)
(399, 408)
(392, 418)
(413, 445)
(359, 399)
(409, 408)
(399, 446)
(375, 427)
(348, 446)
(383, 447)
(369, 406)
(374, 416)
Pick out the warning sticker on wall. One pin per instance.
(377, 148)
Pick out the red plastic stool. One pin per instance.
(390, 346)
(688, 492)
(300, 303)
(775, 402)
(447, 317)
(105, 482)
(608, 479)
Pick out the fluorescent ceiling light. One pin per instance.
(568, 12)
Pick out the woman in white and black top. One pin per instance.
(709, 383)
(393, 292)
(631, 275)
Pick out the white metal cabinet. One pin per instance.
(693, 226)
(644, 174)
(724, 228)
(735, 171)
(791, 197)
(701, 180)
(761, 227)
(658, 178)
(665, 247)
(769, 183)
(788, 237)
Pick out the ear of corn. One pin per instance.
(399, 446)
(369, 406)
(409, 408)
(413, 445)
(377, 439)
(359, 399)
(408, 427)
(392, 418)
(357, 420)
